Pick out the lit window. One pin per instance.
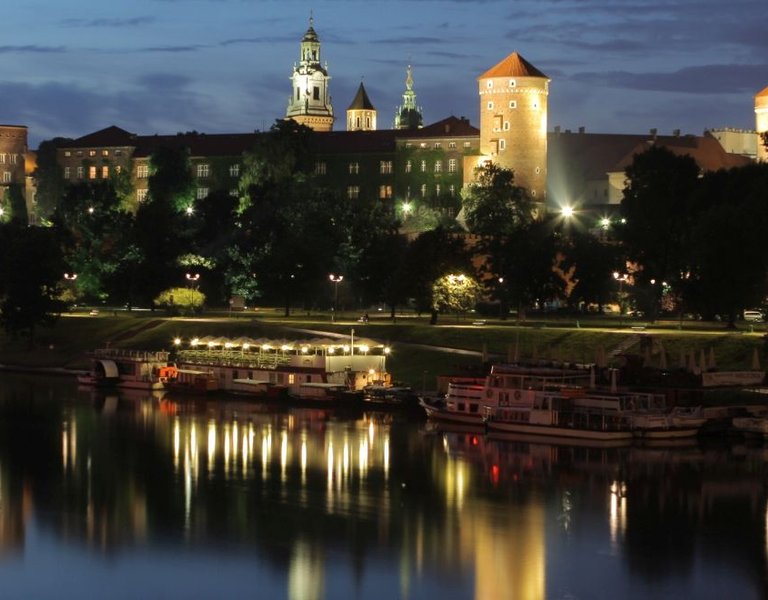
(202, 192)
(437, 190)
(452, 190)
(408, 192)
(423, 166)
(203, 170)
(452, 145)
(423, 145)
(234, 170)
(91, 152)
(490, 106)
(408, 145)
(142, 171)
(79, 172)
(385, 192)
(320, 168)
(467, 144)
(118, 152)
(105, 152)
(423, 190)
(451, 165)
(66, 172)
(141, 194)
(513, 104)
(353, 192)
(233, 193)
(79, 152)
(438, 166)
(91, 172)
(354, 168)
(104, 172)
(67, 153)
(13, 159)
(2, 158)
(6, 177)
(438, 145)
(385, 167)
(118, 169)
(408, 166)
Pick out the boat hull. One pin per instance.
(560, 432)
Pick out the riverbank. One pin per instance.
(421, 351)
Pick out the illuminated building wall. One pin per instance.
(761, 122)
(513, 121)
(361, 114)
(13, 150)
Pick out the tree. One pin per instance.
(181, 299)
(494, 205)
(29, 297)
(659, 209)
(595, 261)
(48, 177)
(457, 293)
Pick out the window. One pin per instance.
(201, 193)
(490, 106)
(320, 168)
(452, 190)
(506, 125)
(118, 152)
(538, 170)
(467, 144)
(298, 93)
(2, 158)
(79, 172)
(141, 194)
(91, 172)
(105, 172)
(533, 193)
(357, 122)
(408, 166)
(437, 190)
(451, 165)
(423, 166)
(512, 83)
(407, 192)
(91, 152)
(452, 145)
(385, 192)
(316, 93)
(67, 153)
(408, 145)
(234, 170)
(118, 169)
(353, 192)
(438, 166)
(354, 168)
(6, 177)
(438, 145)
(105, 152)
(489, 83)
(66, 172)
(502, 144)
(203, 170)
(423, 190)
(497, 123)
(385, 167)
(423, 145)
(535, 105)
(513, 104)
(233, 193)
(79, 152)
(142, 171)
(13, 158)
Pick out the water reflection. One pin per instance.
(306, 503)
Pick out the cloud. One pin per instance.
(31, 49)
(104, 22)
(706, 79)
(174, 49)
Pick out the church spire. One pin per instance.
(361, 114)
(408, 115)
(310, 102)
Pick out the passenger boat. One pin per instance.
(318, 370)
(189, 381)
(126, 369)
(751, 425)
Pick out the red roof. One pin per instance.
(762, 94)
(513, 66)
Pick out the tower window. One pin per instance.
(105, 172)
(79, 172)
(512, 83)
(452, 190)
(357, 122)
(66, 172)
(298, 93)
(490, 106)
(437, 190)
(538, 170)
(142, 171)
(201, 193)
(513, 104)
(506, 125)
(141, 194)
(438, 145)
(502, 144)
(489, 84)
(316, 93)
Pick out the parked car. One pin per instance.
(754, 316)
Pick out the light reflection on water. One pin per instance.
(142, 497)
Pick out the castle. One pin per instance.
(409, 164)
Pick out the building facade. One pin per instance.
(13, 158)
(361, 114)
(761, 123)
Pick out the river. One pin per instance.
(127, 497)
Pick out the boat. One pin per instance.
(390, 396)
(751, 425)
(189, 381)
(321, 370)
(126, 369)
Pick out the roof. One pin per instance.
(199, 144)
(352, 142)
(513, 66)
(361, 101)
(762, 93)
(104, 138)
(451, 126)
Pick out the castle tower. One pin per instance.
(761, 123)
(513, 121)
(408, 115)
(361, 115)
(310, 103)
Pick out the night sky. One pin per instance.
(163, 66)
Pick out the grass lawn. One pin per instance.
(412, 360)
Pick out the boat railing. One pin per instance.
(134, 355)
(233, 359)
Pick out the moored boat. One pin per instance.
(126, 369)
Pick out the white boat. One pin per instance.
(320, 369)
(126, 369)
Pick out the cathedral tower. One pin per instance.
(408, 115)
(761, 123)
(310, 102)
(361, 115)
(513, 121)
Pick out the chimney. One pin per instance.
(557, 129)
(582, 129)
(676, 133)
(653, 133)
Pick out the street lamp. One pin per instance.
(621, 278)
(336, 279)
(501, 298)
(70, 276)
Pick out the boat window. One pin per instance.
(473, 408)
(460, 407)
(234, 374)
